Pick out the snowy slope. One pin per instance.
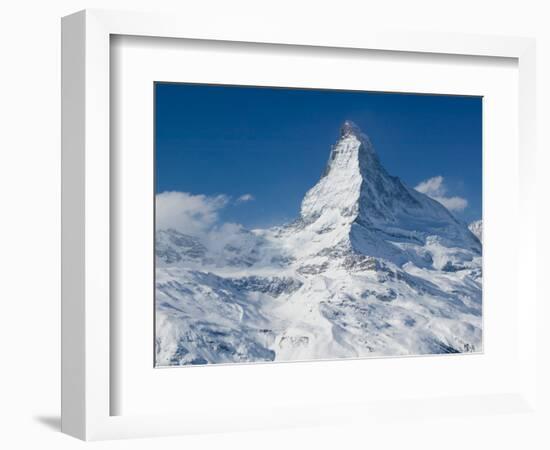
(371, 267)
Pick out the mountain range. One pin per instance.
(371, 267)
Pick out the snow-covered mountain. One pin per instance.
(477, 229)
(371, 267)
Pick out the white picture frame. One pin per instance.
(87, 325)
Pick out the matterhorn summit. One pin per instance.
(351, 161)
(382, 216)
(370, 267)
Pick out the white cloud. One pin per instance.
(227, 233)
(187, 213)
(245, 198)
(453, 203)
(436, 189)
(432, 187)
(198, 216)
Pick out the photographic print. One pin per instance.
(308, 224)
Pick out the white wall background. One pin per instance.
(29, 225)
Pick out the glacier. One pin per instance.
(371, 267)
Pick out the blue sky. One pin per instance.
(272, 144)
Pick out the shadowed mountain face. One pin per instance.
(371, 267)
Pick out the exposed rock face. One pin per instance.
(371, 267)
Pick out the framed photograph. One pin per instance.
(266, 228)
(271, 244)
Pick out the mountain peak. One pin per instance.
(476, 228)
(349, 127)
(352, 162)
(356, 190)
